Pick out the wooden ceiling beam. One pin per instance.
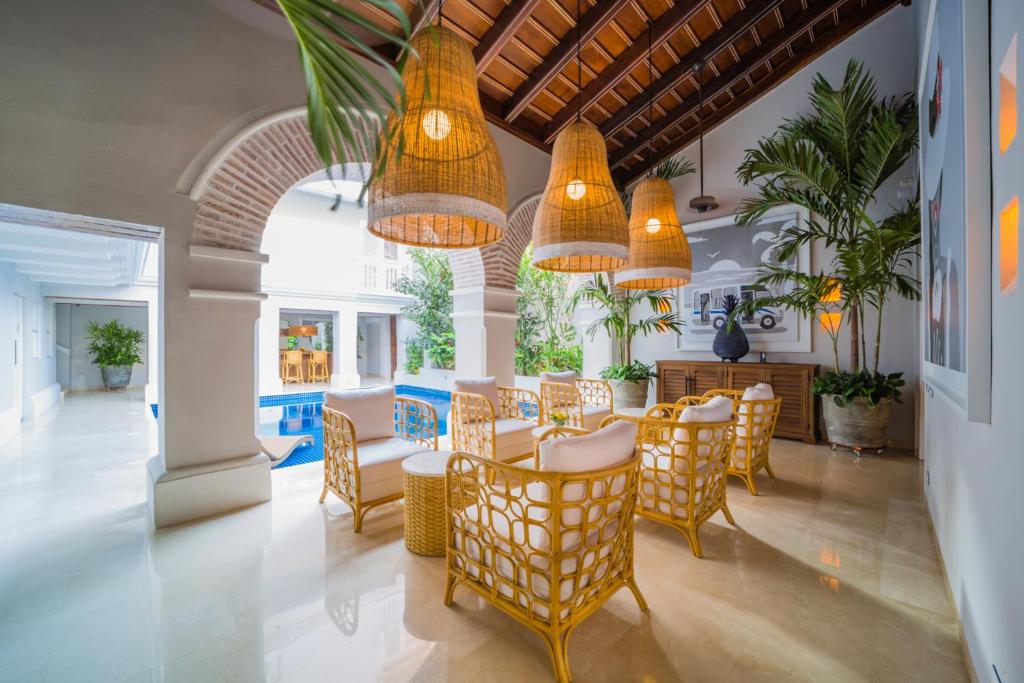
(736, 26)
(501, 31)
(738, 72)
(561, 55)
(851, 24)
(664, 27)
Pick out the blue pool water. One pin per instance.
(294, 414)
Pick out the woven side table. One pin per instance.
(423, 475)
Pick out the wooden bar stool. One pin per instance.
(291, 367)
(318, 369)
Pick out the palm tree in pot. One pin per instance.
(832, 162)
(115, 348)
(628, 378)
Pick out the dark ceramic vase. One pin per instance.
(732, 344)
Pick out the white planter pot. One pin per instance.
(629, 394)
(857, 424)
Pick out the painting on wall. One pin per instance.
(956, 208)
(729, 259)
(942, 148)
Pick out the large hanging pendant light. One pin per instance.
(659, 254)
(446, 188)
(580, 225)
(704, 202)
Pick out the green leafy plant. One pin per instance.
(346, 101)
(441, 351)
(413, 356)
(618, 320)
(430, 285)
(633, 372)
(328, 336)
(832, 162)
(113, 344)
(844, 387)
(292, 343)
(545, 333)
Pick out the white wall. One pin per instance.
(39, 391)
(886, 47)
(84, 374)
(974, 470)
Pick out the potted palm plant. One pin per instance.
(628, 378)
(832, 162)
(115, 348)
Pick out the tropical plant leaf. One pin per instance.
(347, 102)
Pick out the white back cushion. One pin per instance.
(567, 377)
(600, 450)
(372, 411)
(486, 387)
(717, 409)
(759, 392)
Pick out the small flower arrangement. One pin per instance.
(560, 418)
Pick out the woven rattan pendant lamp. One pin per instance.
(659, 254)
(580, 225)
(447, 187)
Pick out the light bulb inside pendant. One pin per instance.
(576, 189)
(653, 225)
(436, 124)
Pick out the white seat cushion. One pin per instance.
(592, 416)
(513, 438)
(380, 465)
(486, 387)
(567, 377)
(758, 392)
(372, 411)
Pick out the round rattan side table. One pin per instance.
(423, 476)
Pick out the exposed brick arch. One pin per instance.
(501, 260)
(257, 168)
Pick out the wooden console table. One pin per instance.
(791, 382)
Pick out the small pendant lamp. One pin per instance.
(447, 188)
(580, 225)
(659, 254)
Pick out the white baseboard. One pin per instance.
(188, 493)
(41, 401)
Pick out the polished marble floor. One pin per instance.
(831, 576)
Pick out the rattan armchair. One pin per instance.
(683, 473)
(754, 430)
(547, 548)
(586, 402)
(496, 423)
(365, 469)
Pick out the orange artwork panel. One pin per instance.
(1008, 97)
(1009, 246)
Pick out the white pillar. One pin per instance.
(209, 461)
(268, 349)
(485, 332)
(153, 339)
(345, 373)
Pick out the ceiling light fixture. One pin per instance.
(703, 203)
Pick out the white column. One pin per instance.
(268, 353)
(153, 339)
(209, 461)
(599, 352)
(485, 332)
(345, 373)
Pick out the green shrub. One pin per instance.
(114, 344)
(844, 387)
(634, 372)
(413, 356)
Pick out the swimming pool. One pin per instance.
(294, 414)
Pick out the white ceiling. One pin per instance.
(69, 257)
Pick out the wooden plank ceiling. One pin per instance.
(526, 57)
